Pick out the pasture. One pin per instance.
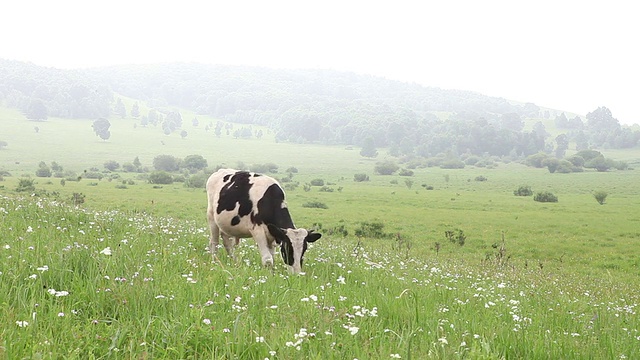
(127, 275)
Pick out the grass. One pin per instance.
(155, 294)
(127, 274)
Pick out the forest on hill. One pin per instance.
(319, 106)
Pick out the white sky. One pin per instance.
(568, 55)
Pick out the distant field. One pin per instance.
(576, 230)
(564, 285)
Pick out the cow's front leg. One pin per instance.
(266, 251)
(230, 244)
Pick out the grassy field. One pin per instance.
(127, 275)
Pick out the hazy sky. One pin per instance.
(569, 55)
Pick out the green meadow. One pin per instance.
(127, 274)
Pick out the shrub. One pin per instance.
(406, 172)
(264, 168)
(326, 189)
(315, 205)
(471, 160)
(25, 185)
(317, 182)
(160, 177)
(292, 170)
(360, 177)
(480, 178)
(196, 180)
(387, 167)
(92, 175)
(111, 165)
(371, 230)
(452, 164)
(536, 160)
(600, 196)
(545, 196)
(600, 163)
(166, 163)
(194, 163)
(456, 237)
(576, 160)
(524, 190)
(77, 198)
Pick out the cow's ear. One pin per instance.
(312, 236)
(277, 233)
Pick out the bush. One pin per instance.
(406, 172)
(600, 196)
(326, 189)
(264, 168)
(524, 190)
(317, 182)
(600, 163)
(360, 177)
(25, 185)
(371, 230)
(386, 167)
(111, 165)
(452, 164)
(536, 160)
(196, 181)
(545, 196)
(480, 178)
(315, 205)
(166, 163)
(194, 163)
(160, 177)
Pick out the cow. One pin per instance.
(244, 204)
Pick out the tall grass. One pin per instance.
(113, 284)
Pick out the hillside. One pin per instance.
(308, 106)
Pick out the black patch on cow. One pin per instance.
(226, 177)
(256, 175)
(286, 249)
(236, 191)
(270, 210)
(235, 220)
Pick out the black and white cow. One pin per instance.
(244, 204)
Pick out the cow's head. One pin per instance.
(293, 244)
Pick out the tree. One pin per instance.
(37, 111)
(137, 163)
(368, 148)
(386, 167)
(172, 122)
(183, 134)
(194, 162)
(195, 122)
(135, 110)
(601, 119)
(111, 165)
(43, 170)
(600, 163)
(120, 109)
(166, 163)
(3, 144)
(101, 128)
(153, 117)
(562, 144)
(600, 196)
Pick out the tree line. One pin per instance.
(304, 106)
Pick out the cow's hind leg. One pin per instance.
(214, 237)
